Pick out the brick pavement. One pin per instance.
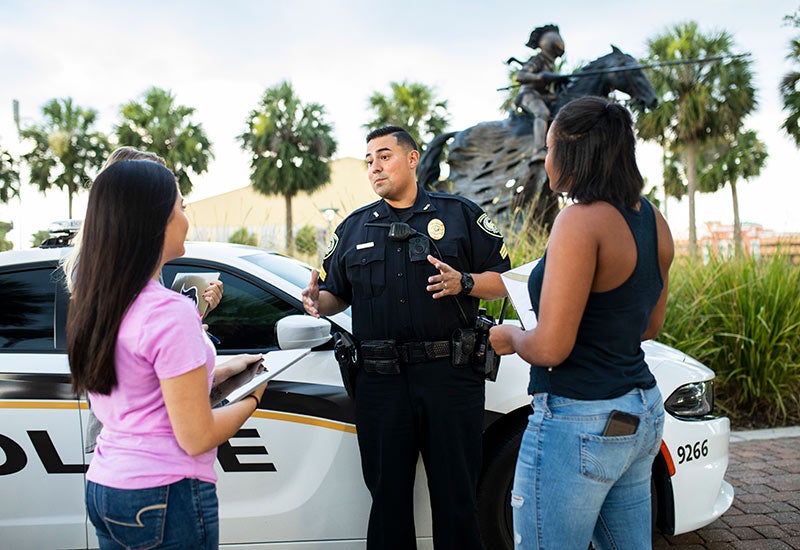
(765, 514)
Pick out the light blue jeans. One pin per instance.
(183, 515)
(573, 485)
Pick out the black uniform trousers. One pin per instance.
(431, 408)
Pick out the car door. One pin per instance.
(292, 473)
(41, 458)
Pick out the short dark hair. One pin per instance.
(595, 152)
(403, 137)
(130, 204)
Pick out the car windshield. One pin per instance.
(296, 272)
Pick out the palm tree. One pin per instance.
(158, 125)
(291, 144)
(9, 177)
(740, 157)
(67, 151)
(790, 85)
(698, 102)
(412, 106)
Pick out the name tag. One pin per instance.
(362, 246)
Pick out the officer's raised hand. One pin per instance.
(320, 302)
(446, 283)
(310, 295)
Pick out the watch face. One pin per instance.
(467, 282)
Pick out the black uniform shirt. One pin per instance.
(386, 289)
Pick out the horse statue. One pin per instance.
(492, 162)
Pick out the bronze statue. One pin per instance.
(497, 164)
(535, 77)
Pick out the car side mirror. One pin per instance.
(302, 331)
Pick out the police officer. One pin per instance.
(413, 265)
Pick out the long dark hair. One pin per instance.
(594, 154)
(129, 206)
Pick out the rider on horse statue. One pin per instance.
(535, 77)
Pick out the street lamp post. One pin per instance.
(329, 213)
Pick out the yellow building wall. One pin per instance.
(217, 218)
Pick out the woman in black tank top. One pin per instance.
(583, 472)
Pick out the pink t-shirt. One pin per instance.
(160, 337)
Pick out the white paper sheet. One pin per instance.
(516, 282)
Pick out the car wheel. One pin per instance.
(494, 492)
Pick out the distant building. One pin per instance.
(757, 241)
(217, 218)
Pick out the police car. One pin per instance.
(290, 478)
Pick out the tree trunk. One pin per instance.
(70, 192)
(737, 223)
(289, 233)
(691, 177)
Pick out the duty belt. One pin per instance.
(419, 352)
(407, 352)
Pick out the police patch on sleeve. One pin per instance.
(485, 223)
(331, 245)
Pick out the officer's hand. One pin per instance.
(500, 338)
(310, 295)
(446, 283)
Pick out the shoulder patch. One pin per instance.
(485, 223)
(331, 246)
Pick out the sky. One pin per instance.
(220, 57)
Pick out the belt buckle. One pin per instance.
(416, 352)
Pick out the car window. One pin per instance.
(289, 269)
(27, 310)
(245, 319)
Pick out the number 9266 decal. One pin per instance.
(692, 451)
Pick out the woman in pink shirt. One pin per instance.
(138, 349)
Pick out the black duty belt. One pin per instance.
(419, 352)
(406, 352)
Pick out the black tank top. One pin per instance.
(607, 360)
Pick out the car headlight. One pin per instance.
(691, 400)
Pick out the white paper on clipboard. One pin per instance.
(516, 282)
(273, 364)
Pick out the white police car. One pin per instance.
(290, 478)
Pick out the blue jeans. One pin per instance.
(184, 514)
(572, 485)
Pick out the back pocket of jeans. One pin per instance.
(603, 458)
(136, 518)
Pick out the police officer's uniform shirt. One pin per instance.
(386, 289)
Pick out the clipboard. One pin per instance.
(516, 283)
(241, 385)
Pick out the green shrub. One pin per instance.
(305, 240)
(243, 236)
(39, 237)
(741, 318)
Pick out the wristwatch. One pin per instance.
(467, 283)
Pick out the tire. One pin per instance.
(494, 492)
